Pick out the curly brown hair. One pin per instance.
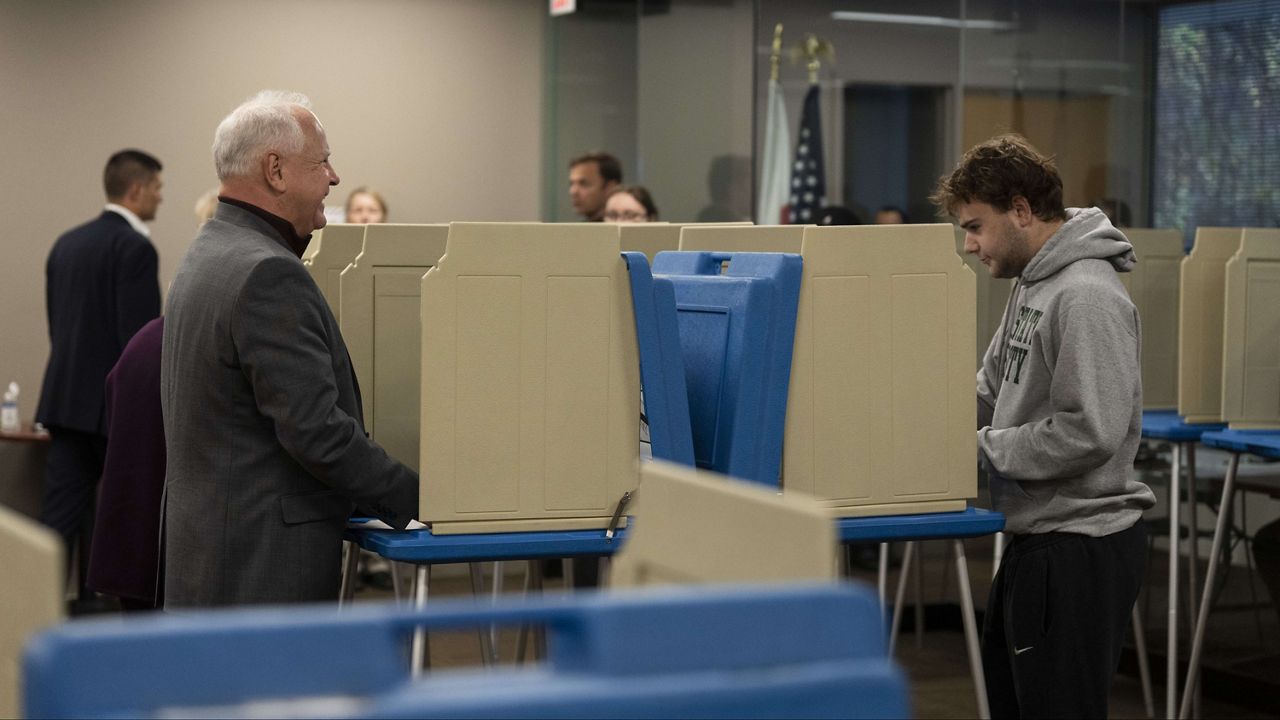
(999, 170)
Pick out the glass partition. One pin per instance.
(677, 90)
(664, 86)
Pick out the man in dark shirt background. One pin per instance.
(102, 285)
(592, 177)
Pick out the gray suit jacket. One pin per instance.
(266, 449)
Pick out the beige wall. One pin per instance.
(695, 106)
(436, 102)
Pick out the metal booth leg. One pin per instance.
(903, 573)
(421, 658)
(882, 577)
(350, 563)
(1171, 651)
(971, 631)
(1193, 552)
(532, 585)
(1144, 664)
(997, 554)
(488, 654)
(1219, 533)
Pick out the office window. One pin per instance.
(1217, 152)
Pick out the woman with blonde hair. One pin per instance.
(366, 205)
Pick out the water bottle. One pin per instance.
(9, 421)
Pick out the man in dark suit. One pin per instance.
(266, 451)
(101, 286)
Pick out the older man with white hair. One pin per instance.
(267, 454)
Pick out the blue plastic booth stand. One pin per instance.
(737, 327)
(708, 652)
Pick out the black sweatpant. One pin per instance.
(1055, 621)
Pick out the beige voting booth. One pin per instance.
(743, 238)
(530, 379)
(653, 238)
(330, 251)
(381, 299)
(992, 296)
(701, 527)
(649, 238)
(880, 413)
(1153, 286)
(31, 599)
(1251, 336)
(1200, 324)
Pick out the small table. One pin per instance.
(423, 549)
(953, 526)
(1264, 443)
(22, 465)
(1168, 425)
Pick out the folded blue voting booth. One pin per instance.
(666, 399)
(737, 327)
(779, 651)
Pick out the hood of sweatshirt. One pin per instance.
(1087, 234)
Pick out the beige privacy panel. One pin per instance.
(1251, 337)
(701, 527)
(31, 599)
(1153, 287)
(330, 251)
(992, 295)
(742, 238)
(653, 238)
(530, 379)
(1200, 326)
(381, 299)
(649, 238)
(880, 415)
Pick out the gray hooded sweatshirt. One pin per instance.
(1060, 392)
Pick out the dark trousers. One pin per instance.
(1055, 621)
(73, 468)
(1266, 553)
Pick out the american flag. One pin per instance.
(808, 175)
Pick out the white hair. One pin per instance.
(260, 124)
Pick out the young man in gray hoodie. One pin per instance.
(1059, 419)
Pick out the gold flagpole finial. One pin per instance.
(775, 58)
(813, 50)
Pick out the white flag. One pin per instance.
(775, 172)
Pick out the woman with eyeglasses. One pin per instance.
(630, 204)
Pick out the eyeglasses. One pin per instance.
(628, 216)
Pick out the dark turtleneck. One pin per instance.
(296, 242)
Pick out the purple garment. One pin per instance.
(125, 553)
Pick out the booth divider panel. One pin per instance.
(653, 238)
(330, 251)
(1153, 285)
(679, 503)
(1201, 306)
(381, 325)
(1251, 351)
(887, 367)
(742, 238)
(530, 379)
(32, 600)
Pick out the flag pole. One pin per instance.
(775, 58)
